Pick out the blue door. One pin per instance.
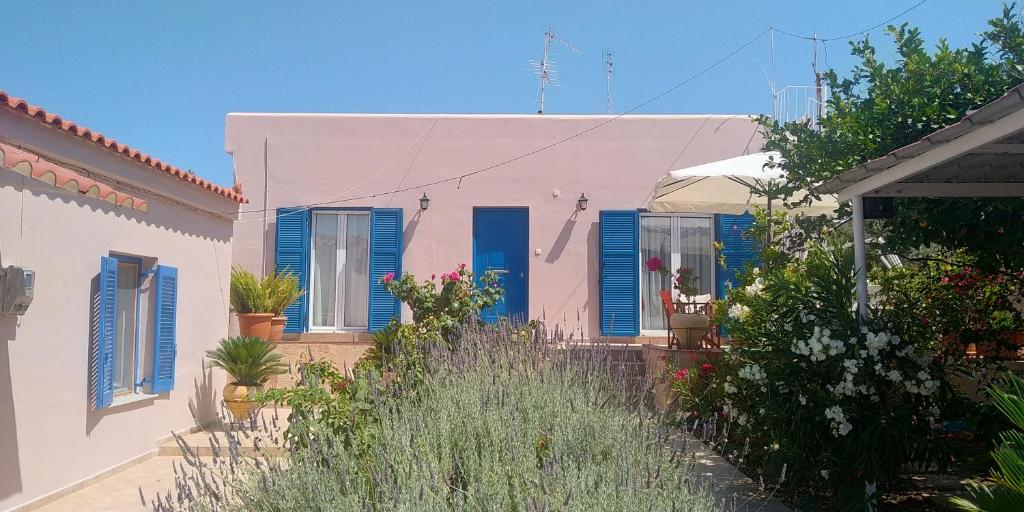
(501, 244)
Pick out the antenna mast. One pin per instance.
(545, 68)
(609, 70)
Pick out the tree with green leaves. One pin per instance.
(882, 106)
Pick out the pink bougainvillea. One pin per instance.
(390, 276)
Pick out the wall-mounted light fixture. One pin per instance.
(582, 202)
(424, 202)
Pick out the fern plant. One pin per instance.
(1004, 490)
(281, 290)
(249, 361)
(247, 293)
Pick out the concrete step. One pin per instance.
(264, 437)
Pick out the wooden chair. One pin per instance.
(669, 307)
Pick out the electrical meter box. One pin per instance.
(16, 289)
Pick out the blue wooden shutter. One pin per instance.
(737, 248)
(292, 255)
(165, 345)
(620, 272)
(106, 317)
(385, 256)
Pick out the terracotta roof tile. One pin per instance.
(56, 121)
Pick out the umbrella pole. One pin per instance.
(768, 237)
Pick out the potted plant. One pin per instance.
(249, 299)
(281, 289)
(249, 363)
(690, 322)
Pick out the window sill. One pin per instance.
(131, 398)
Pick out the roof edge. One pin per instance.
(55, 121)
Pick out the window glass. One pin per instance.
(655, 240)
(694, 240)
(124, 333)
(357, 270)
(679, 241)
(341, 281)
(325, 270)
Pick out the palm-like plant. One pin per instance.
(250, 361)
(247, 293)
(281, 290)
(1004, 490)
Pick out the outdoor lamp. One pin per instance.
(424, 201)
(582, 202)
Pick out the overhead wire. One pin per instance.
(336, 198)
(854, 34)
(528, 154)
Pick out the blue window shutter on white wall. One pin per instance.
(165, 342)
(385, 256)
(292, 254)
(737, 249)
(106, 317)
(620, 272)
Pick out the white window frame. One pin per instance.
(676, 258)
(339, 300)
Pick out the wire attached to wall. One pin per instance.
(335, 199)
(528, 154)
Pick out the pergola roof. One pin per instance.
(982, 155)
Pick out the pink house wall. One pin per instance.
(50, 436)
(297, 159)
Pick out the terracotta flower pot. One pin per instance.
(255, 324)
(239, 400)
(689, 327)
(277, 327)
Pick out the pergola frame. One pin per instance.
(982, 155)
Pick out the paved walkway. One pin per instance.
(734, 490)
(121, 492)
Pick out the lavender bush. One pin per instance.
(501, 423)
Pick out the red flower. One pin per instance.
(707, 368)
(654, 263)
(682, 374)
(390, 276)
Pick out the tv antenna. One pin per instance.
(609, 70)
(545, 68)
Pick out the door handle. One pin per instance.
(500, 271)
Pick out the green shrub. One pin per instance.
(249, 361)
(496, 425)
(841, 403)
(1004, 491)
(247, 293)
(439, 312)
(281, 290)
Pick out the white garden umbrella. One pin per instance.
(726, 186)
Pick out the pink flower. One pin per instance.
(433, 276)
(390, 276)
(462, 266)
(707, 368)
(654, 263)
(682, 374)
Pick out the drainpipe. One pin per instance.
(859, 258)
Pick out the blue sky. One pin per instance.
(161, 76)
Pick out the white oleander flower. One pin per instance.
(738, 311)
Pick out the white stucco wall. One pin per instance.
(50, 436)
